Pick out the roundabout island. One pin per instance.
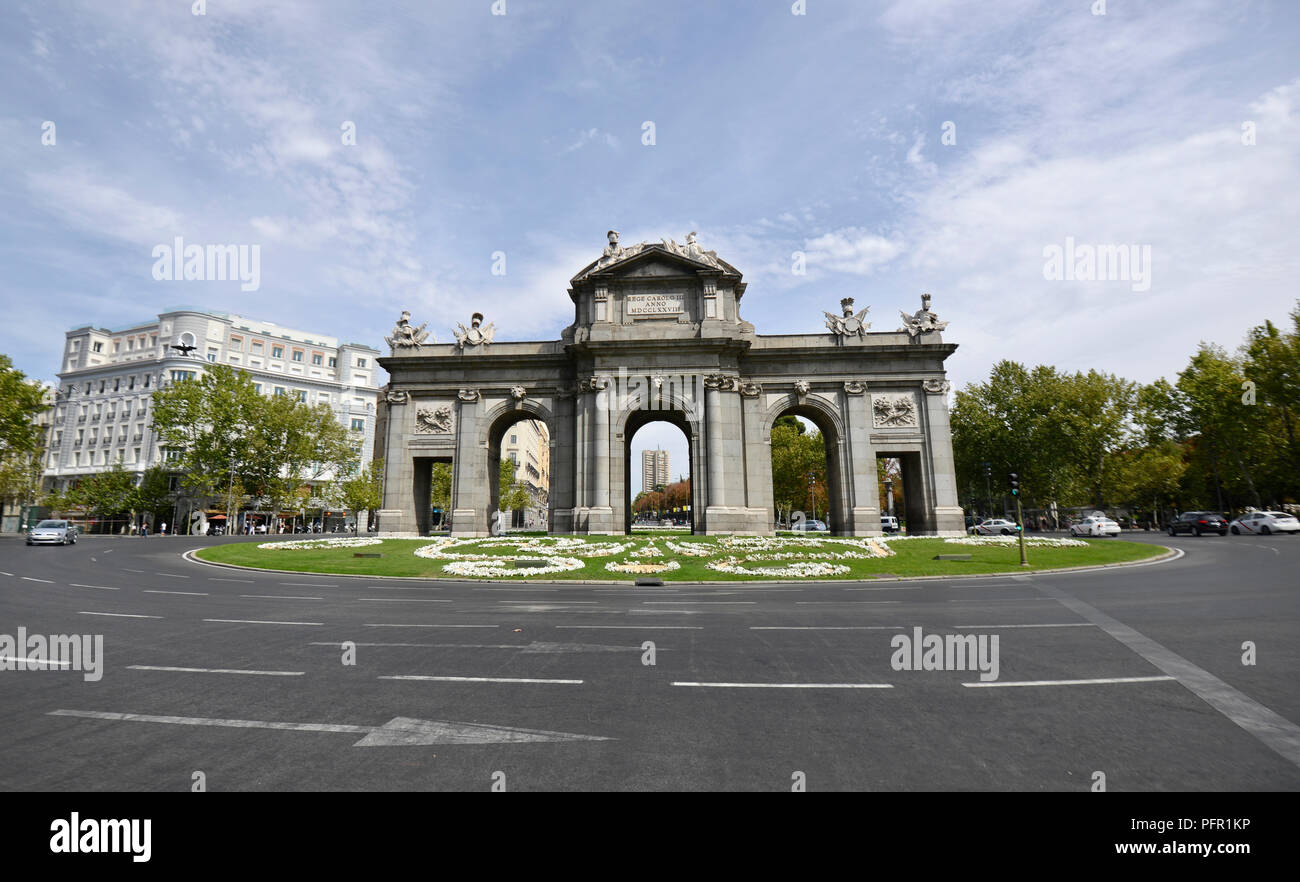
(676, 558)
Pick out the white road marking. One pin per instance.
(996, 599)
(259, 622)
(189, 593)
(307, 585)
(2, 573)
(215, 579)
(787, 685)
(129, 570)
(403, 600)
(388, 625)
(480, 679)
(844, 602)
(30, 579)
(1274, 730)
(101, 587)
(172, 575)
(710, 602)
(553, 602)
(213, 671)
(1053, 625)
(282, 596)
(397, 732)
(634, 627)
(33, 661)
(118, 615)
(827, 627)
(1099, 680)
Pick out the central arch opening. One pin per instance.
(658, 472)
(519, 474)
(807, 490)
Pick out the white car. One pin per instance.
(995, 527)
(1095, 526)
(1265, 523)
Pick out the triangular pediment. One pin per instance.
(655, 259)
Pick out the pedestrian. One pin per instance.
(144, 530)
(163, 530)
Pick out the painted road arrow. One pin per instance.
(399, 731)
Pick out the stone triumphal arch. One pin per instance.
(657, 334)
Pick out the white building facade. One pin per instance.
(103, 410)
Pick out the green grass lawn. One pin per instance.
(913, 557)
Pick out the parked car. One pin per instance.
(53, 532)
(809, 526)
(1265, 523)
(1198, 522)
(889, 523)
(1095, 526)
(995, 527)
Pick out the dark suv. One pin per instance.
(1198, 522)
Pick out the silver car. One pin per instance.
(50, 532)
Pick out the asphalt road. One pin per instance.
(750, 685)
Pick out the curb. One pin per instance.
(1170, 555)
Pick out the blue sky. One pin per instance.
(775, 133)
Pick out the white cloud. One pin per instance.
(851, 250)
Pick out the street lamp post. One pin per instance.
(230, 493)
(988, 489)
(812, 493)
(889, 494)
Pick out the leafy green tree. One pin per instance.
(108, 495)
(440, 489)
(21, 441)
(154, 494)
(795, 453)
(360, 492)
(512, 494)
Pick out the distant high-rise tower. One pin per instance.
(654, 468)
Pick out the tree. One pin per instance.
(795, 453)
(440, 488)
(154, 494)
(225, 431)
(512, 494)
(21, 440)
(360, 492)
(109, 495)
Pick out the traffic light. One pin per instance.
(1015, 484)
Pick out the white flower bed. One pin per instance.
(1035, 541)
(801, 570)
(692, 549)
(502, 566)
(642, 568)
(313, 544)
(648, 550)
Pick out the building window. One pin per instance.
(178, 376)
(98, 347)
(317, 359)
(257, 387)
(236, 344)
(302, 396)
(277, 352)
(130, 382)
(101, 387)
(334, 362)
(130, 344)
(279, 390)
(297, 355)
(256, 347)
(361, 362)
(147, 377)
(358, 425)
